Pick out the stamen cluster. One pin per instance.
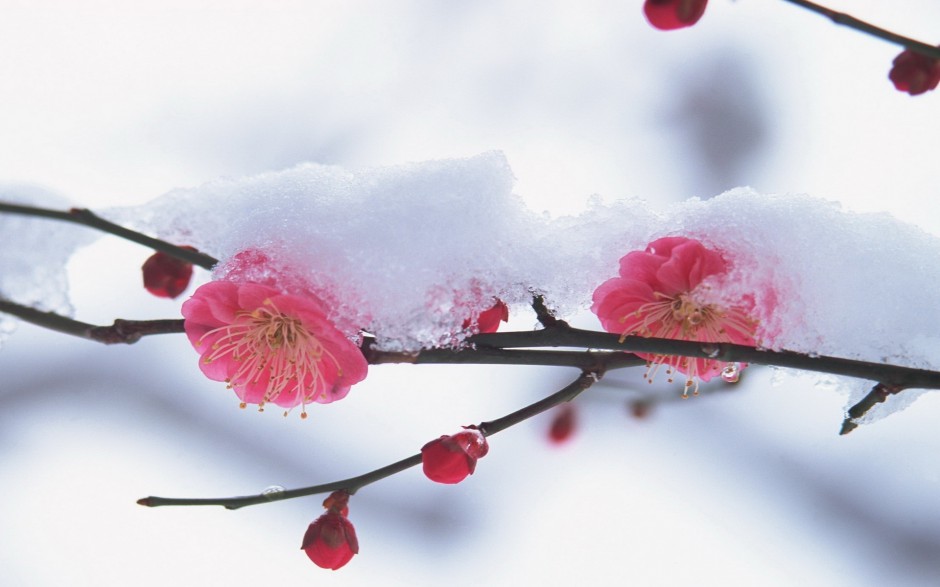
(270, 347)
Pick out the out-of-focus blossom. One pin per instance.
(271, 347)
(668, 15)
(659, 294)
(563, 424)
(166, 276)
(915, 73)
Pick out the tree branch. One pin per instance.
(906, 377)
(88, 218)
(495, 349)
(120, 332)
(877, 395)
(841, 18)
(353, 484)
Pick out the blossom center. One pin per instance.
(275, 352)
(682, 317)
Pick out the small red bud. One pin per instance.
(563, 424)
(450, 459)
(166, 276)
(667, 15)
(914, 73)
(488, 320)
(330, 541)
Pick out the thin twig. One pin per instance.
(353, 484)
(877, 395)
(545, 316)
(860, 25)
(120, 332)
(88, 218)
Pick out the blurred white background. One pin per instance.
(112, 103)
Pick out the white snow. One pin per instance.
(405, 246)
(409, 252)
(35, 251)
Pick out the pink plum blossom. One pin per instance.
(659, 294)
(271, 347)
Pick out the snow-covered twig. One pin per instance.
(505, 348)
(88, 218)
(496, 348)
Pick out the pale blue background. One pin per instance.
(114, 103)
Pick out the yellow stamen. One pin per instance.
(274, 350)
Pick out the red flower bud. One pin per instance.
(914, 73)
(667, 15)
(488, 320)
(563, 424)
(449, 459)
(166, 276)
(330, 541)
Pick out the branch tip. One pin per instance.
(878, 394)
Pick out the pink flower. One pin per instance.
(658, 294)
(330, 541)
(270, 347)
(914, 73)
(450, 459)
(166, 276)
(667, 15)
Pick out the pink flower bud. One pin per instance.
(330, 541)
(914, 73)
(449, 459)
(667, 15)
(166, 276)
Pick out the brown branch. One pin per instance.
(545, 316)
(120, 332)
(495, 349)
(584, 360)
(88, 218)
(905, 377)
(877, 395)
(841, 18)
(353, 484)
